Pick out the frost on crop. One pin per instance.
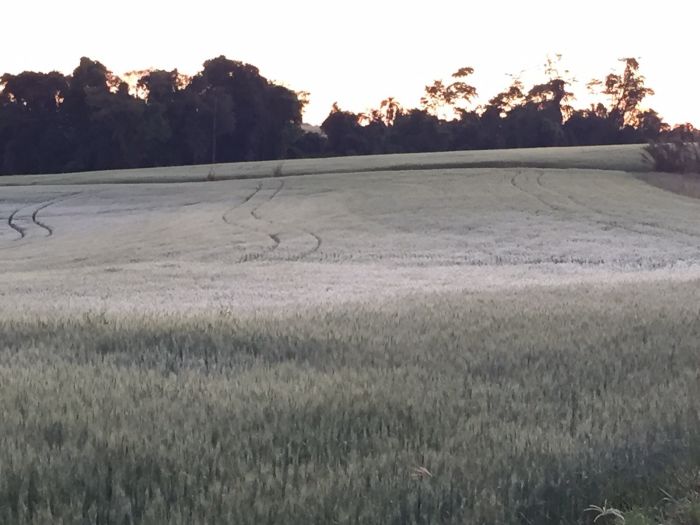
(453, 345)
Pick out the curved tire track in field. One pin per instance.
(313, 250)
(254, 211)
(272, 229)
(520, 188)
(22, 231)
(605, 220)
(608, 220)
(35, 214)
(274, 237)
(11, 224)
(35, 219)
(612, 220)
(224, 216)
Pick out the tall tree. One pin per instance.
(626, 92)
(449, 99)
(389, 109)
(250, 115)
(344, 133)
(507, 99)
(33, 135)
(417, 130)
(116, 129)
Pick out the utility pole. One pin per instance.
(213, 128)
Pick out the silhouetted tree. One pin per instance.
(387, 112)
(344, 133)
(227, 112)
(626, 91)
(591, 126)
(307, 144)
(250, 116)
(116, 138)
(417, 130)
(32, 136)
(508, 99)
(650, 125)
(161, 91)
(452, 98)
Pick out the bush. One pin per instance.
(675, 155)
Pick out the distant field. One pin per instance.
(626, 157)
(478, 337)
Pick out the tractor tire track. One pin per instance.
(606, 221)
(12, 220)
(35, 218)
(254, 211)
(35, 214)
(224, 216)
(548, 205)
(254, 256)
(22, 231)
(612, 220)
(257, 223)
(318, 242)
(274, 237)
(11, 224)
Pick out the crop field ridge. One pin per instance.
(631, 158)
(501, 338)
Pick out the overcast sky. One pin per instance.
(359, 52)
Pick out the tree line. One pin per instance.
(92, 120)
(228, 112)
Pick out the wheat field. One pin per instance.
(479, 337)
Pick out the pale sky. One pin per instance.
(358, 52)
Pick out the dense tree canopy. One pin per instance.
(92, 119)
(88, 120)
(517, 117)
